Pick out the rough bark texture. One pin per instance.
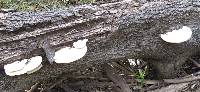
(115, 30)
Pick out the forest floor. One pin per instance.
(133, 75)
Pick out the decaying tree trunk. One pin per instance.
(115, 30)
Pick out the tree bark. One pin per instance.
(115, 30)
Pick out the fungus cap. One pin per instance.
(33, 63)
(177, 36)
(24, 66)
(15, 66)
(80, 43)
(70, 54)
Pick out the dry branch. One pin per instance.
(115, 30)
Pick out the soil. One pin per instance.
(121, 76)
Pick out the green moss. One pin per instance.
(35, 5)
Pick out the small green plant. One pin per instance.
(140, 75)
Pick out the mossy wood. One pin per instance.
(114, 31)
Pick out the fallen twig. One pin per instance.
(34, 88)
(195, 63)
(116, 79)
(181, 80)
(172, 81)
(52, 86)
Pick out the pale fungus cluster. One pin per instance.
(24, 66)
(177, 36)
(70, 54)
(31, 65)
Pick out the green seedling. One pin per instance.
(140, 75)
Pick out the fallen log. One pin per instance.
(114, 31)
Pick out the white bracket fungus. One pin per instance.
(70, 54)
(64, 55)
(25, 66)
(177, 36)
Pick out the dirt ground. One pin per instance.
(125, 76)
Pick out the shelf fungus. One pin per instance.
(70, 54)
(24, 66)
(177, 36)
